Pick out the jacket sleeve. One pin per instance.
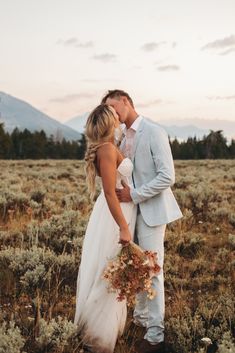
(164, 166)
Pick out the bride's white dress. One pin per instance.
(99, 316)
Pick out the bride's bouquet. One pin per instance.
(131, 272)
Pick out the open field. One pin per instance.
(44, 209)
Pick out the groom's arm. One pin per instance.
(164, 166)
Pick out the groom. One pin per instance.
(146, 143)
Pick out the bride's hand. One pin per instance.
(125, 236)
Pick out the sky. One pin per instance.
(176, 59)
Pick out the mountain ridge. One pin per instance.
(16, 112)
(78, 123)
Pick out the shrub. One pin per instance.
(10, 201)
(190, 246)
(55, 334)
(11, 340)
(57, 233)
(227, 345)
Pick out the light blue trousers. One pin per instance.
(150, 313)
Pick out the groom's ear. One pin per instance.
(124, 99)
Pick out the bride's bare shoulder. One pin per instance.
(106, 148)
(107, 151)
(106, 157)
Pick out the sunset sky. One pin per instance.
(175, 58)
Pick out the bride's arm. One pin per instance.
(107, 165)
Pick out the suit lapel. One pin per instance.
(137, 138)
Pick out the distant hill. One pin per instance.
(78, 122)
(227, 126)
(17, 113)
(181, 132)
(184, 132)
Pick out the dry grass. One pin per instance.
(44, 205)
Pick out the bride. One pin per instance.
(99, 316)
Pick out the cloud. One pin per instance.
(74, 42)
(71, 97)
(222, 97)
(221, 43)
(151, 46)
(105, 58)
(226, 43)
(149, 104)
(88, 44)
(168, 68)
(228, 51)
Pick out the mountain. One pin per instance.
(227, 126)
(180, 128)
(17, 113)
(78, 122)
(181, 132)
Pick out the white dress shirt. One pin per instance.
(129, 137)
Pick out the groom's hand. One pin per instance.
(124, 194)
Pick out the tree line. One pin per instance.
(36, 145)
(212, 146)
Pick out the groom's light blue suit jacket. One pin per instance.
(153, 175)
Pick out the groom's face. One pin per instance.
(120, 106)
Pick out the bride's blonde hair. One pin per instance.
(99, 129)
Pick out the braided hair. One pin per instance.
(99, 129)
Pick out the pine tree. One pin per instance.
(232, 149)
(82, 148)
(216, 145)
(5, 143)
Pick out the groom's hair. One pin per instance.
(117, 93)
